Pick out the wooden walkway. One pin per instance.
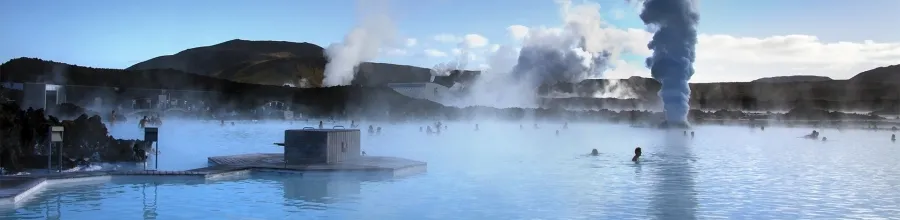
(16, 188)
(276, 161)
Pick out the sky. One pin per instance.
(739, 40)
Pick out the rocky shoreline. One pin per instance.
(24, 138)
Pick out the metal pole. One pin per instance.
(59, 146)
(50, 157)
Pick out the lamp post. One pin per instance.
(56, 137)
(151, 135)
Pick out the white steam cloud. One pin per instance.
(581, 48)
(362, 44)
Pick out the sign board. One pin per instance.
(163, 101)
(56, 133)
(151, 134)
(288, 115)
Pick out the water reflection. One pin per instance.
(320, 188)
(674, 195)
(139, 196)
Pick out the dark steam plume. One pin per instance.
(673, 44)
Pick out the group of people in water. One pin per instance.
(815, 136)
(150, 120)
(637, 154)
(372, 130)
(438, 126)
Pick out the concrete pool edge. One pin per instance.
(22, 188)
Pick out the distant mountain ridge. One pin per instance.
(792, 79)
(302, 64)
(259, 62)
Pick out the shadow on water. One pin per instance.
(306, 192)
(674, 195)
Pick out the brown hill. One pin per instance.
(279, 63)
(259, 62)
(886, 74)
(792, 79)
(227, 94)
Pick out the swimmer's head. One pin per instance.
(594, 152)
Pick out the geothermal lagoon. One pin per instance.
(504, 172)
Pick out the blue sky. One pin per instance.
(116, 34)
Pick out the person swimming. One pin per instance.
(637, 154)
(692, 134)
(566, 125)
(321, 125)
(594, 152)
(893, 137)
(824, 139)
(557, 132)
(813, 135)
(371, 129)
(378, 131)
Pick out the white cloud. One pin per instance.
(494, 48)
(434, 53)
(618, 13)
(719, 58)
(729, 58)
(517, 32)
(395, 52)
(474, 41)
(739, 59)
(456, 51)
(446, 38)
(411, 42)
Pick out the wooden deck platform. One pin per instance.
(276, 161)
(17, 188)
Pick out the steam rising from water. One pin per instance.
(580, 49)
(673, 47)
(362, 44)
(549, 57)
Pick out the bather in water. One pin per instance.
(813, 135)
(637, 154)
(594, 152)
(893, 137)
